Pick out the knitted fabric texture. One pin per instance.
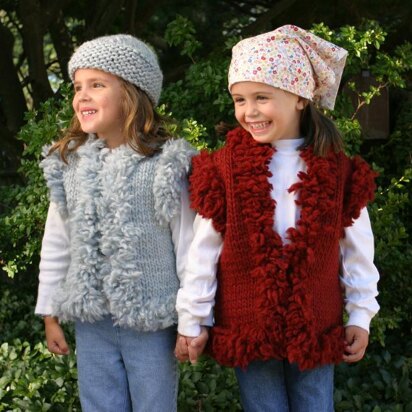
(119, 205)
(124, 56)
(290, 59)
(275, 300)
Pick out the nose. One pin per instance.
(84, 98)
(83, 94)
(250, 109)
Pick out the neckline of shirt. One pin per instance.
(288, 146)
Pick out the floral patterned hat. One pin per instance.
(291, 59)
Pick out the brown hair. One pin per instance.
(319, 131)
(144, 128)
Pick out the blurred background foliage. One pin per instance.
(373, 111)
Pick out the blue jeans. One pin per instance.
(278, 386)
(123, 370)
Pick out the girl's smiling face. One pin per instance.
(97, 104)
(267, 113)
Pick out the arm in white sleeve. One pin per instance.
(181, 227)
(196, 296)
(359, 275)
(54, 259)
(197, 292)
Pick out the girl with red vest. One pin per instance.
(282, 231)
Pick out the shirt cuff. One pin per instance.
(360, 318)
(43, 307)
(189, 325)
(207, 321)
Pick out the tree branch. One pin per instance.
(53, 8)
(62, 42)
(104, 13)
(33, 28)
(130, 12)
(11, 94)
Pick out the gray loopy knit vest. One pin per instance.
(119, 205)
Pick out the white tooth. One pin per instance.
(259, 125)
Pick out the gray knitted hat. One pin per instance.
(122, 55)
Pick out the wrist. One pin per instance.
(49, 319)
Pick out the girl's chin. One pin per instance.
(260, 134)
(88, 130)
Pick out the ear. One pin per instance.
(301, 103)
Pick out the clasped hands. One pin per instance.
(190, 348)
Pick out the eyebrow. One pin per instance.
(94, 79)
(254, 93)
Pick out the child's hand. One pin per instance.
(56, 342)
(197, 345)
(190, 348)
(181, 349)
(356, 341)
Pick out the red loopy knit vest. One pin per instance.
(275, 300)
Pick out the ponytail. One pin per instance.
(319, 131)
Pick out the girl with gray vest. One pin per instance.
(117, 231)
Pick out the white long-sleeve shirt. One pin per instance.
(359, 275)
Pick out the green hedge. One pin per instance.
(35, 380)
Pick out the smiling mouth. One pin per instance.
(87, 112)
(259, 126)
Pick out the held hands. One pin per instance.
(190, 348)
(356, 341)
(56, 342)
